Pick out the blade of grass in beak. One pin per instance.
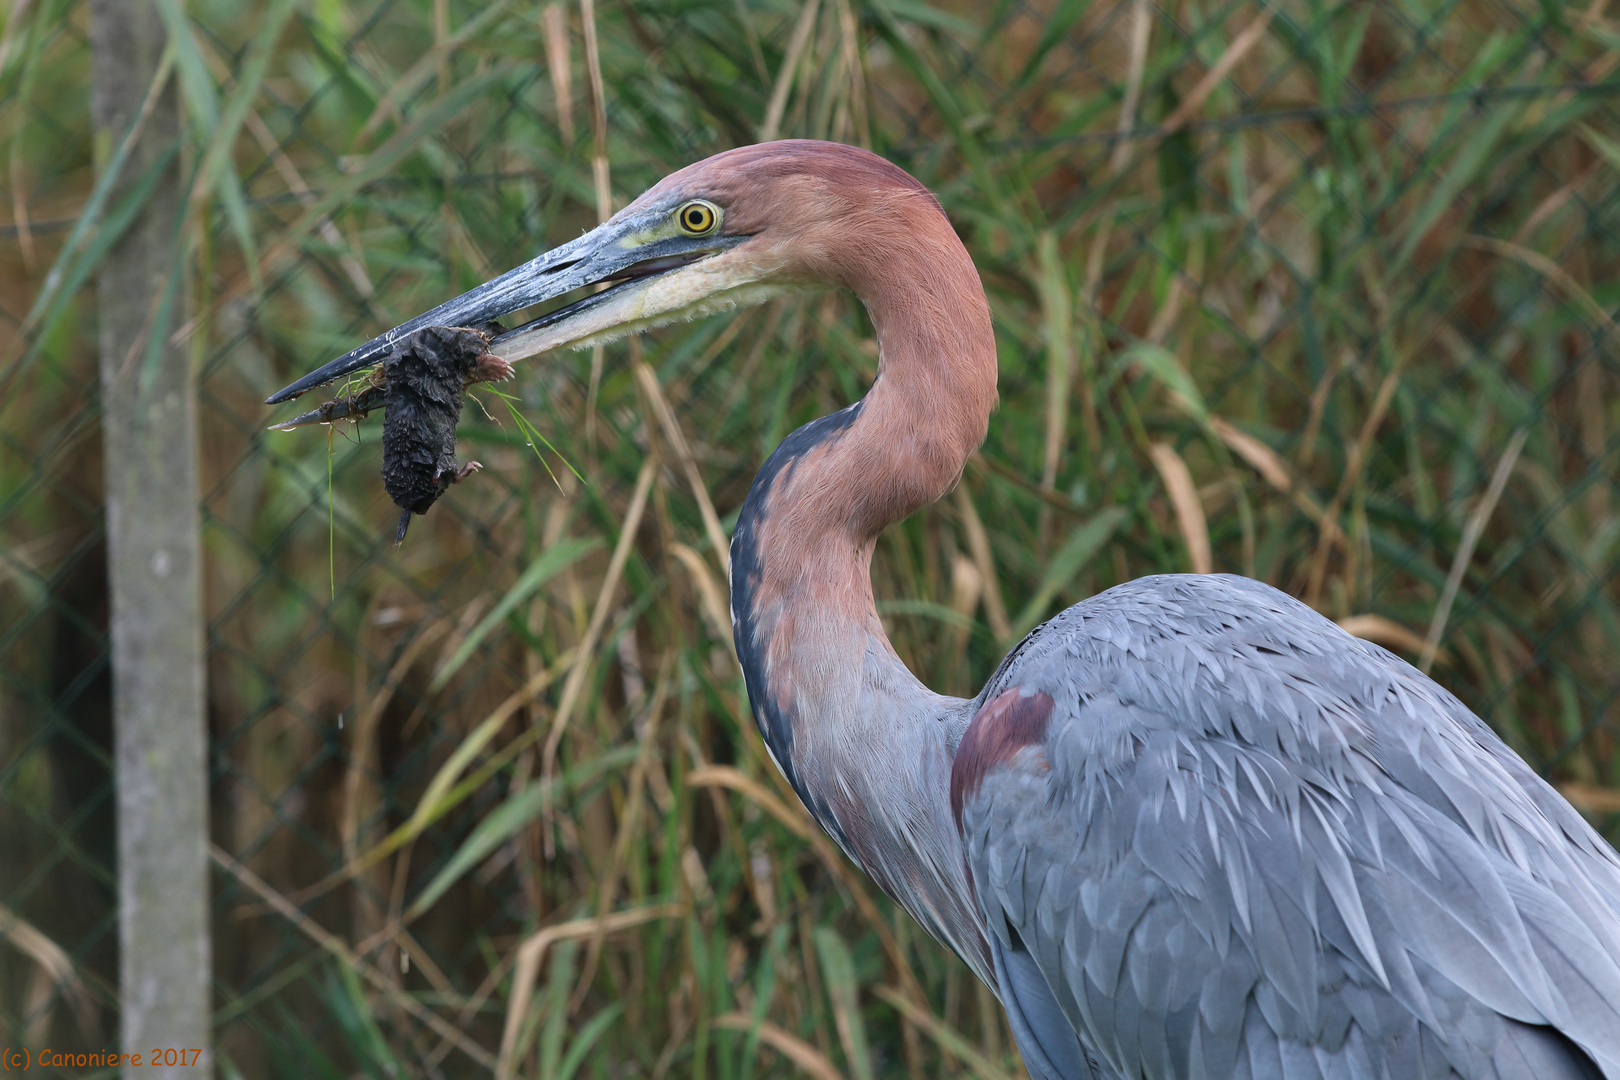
(531, 433)
(331, 522)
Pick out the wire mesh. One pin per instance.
(1350, 265)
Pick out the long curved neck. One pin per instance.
(863, 742)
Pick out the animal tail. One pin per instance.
(404, 523)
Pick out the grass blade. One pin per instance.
(1076, 551)
(506, 819)
(843, 989)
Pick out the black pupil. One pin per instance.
(696, 218)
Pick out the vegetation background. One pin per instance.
(1323, 293)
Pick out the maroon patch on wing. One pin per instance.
(1006, 724)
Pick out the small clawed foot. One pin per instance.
(490, 368)
(466, 471)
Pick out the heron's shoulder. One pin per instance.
(1144, 616)
(1177, 642)
(1224, 658)
(1221, 665)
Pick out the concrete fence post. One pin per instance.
(149, 439)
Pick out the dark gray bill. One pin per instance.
(611, 252)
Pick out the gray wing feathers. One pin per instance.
(1047, 1042)
(1543, 1052)
(1251, 845)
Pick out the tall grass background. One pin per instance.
(1319, 293)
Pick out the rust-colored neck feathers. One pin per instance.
(865, 225)
(867, 747)
(936, 382)
(806, 532)
(821, 214)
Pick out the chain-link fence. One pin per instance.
(1320, 293)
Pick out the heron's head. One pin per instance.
(729, 231)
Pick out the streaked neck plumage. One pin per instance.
(864, 743)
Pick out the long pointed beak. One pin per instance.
(625, 250)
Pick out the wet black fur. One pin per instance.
(425, 373)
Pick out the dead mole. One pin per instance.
(424, 375)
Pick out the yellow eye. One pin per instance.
(697, 217)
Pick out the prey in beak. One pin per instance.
(423, 377)
(659, 262)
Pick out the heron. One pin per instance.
(1189, 827)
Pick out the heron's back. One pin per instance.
(1242, 842)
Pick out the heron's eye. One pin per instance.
(697, 217)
